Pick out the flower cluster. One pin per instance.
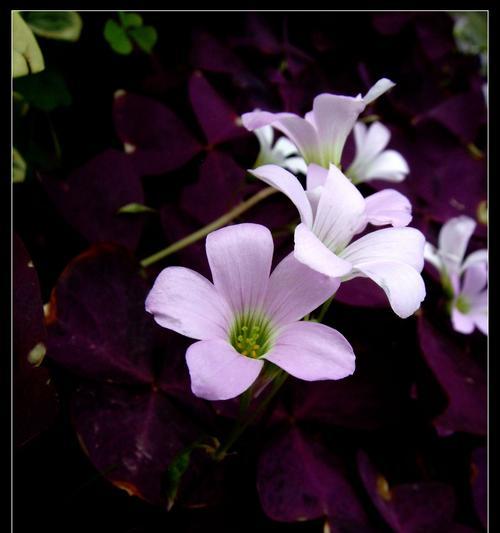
(248, 316)
(464, 281)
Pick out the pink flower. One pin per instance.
(247, 315)
(332, 211)
(463, 280)
(372, 161)
(320, 136)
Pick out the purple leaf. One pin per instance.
(218, 121)
(461, 377)
(35, 400)
(98, 325)
(479, 481)
(362, 292)
(131, 434)
(156, 140)
(91, 196)
(298, 479)
(218, 189)
(409, 508)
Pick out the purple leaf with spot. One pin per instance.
(156, 140)
(92, 194)
(459, 374)
(35, 400)
(409, 508)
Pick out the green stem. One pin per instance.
(240, 427)
(216, 224)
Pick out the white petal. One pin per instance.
(285, 146)
(340, 210)
(479, 256)
(288, 184)
(389, 165)
(431, 254)
(453, 240)
(378, 89)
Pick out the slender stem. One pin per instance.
(216, 224)
(324, 309)
(240, 428)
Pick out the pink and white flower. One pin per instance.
(248, 315)
(320, 136)
(464, 281)
(372, 161)
(333, 211)
(283, 152)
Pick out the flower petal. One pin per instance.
(462, 323)
(312, 351)
(295, 290)
(316, 176)
(453, 240)
(389, 165)
(479, 256)
(285, 146)
(431, 254)
(297, 129)
(310, 251)
(296, 165)
(405, 245)
(240, 259)
(380, 87)
(402, 284)
(288, 184)
(334, 117)
(184, 301)
(218, 371)
(475, 279)
(387, 207)
(369, 143)
(340, 210)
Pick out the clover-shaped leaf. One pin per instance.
(61, 25)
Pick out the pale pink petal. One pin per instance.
(387, 207)
(453, 240)
(316, 176)
(313, 253)
(405, 245)
(295, 290)
(389, 165)
(380, 87)
(402, 284)
(297, 129)
(474, 280)
(369, 141)
(335, 116)
(184, 301)
(431, 254)
(288, 184)
(340, 210)
(479, 256)
(240, 259)
(312, 351)
(218, 371)
(481, 321)
(461, 323)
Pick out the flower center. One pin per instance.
(462, 304)
(251, 335)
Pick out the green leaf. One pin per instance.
(175, 471)
(26, 54)
(145, 37)
(46, 90)
(62, 25)
(18, 167)
(470, 32)
(130, 20)
(117, 37)
(134, 208)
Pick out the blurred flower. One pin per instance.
(371, 160)
(464, 281)
(283, 153)
(332, 211)
(247, 316)
(321, 135)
